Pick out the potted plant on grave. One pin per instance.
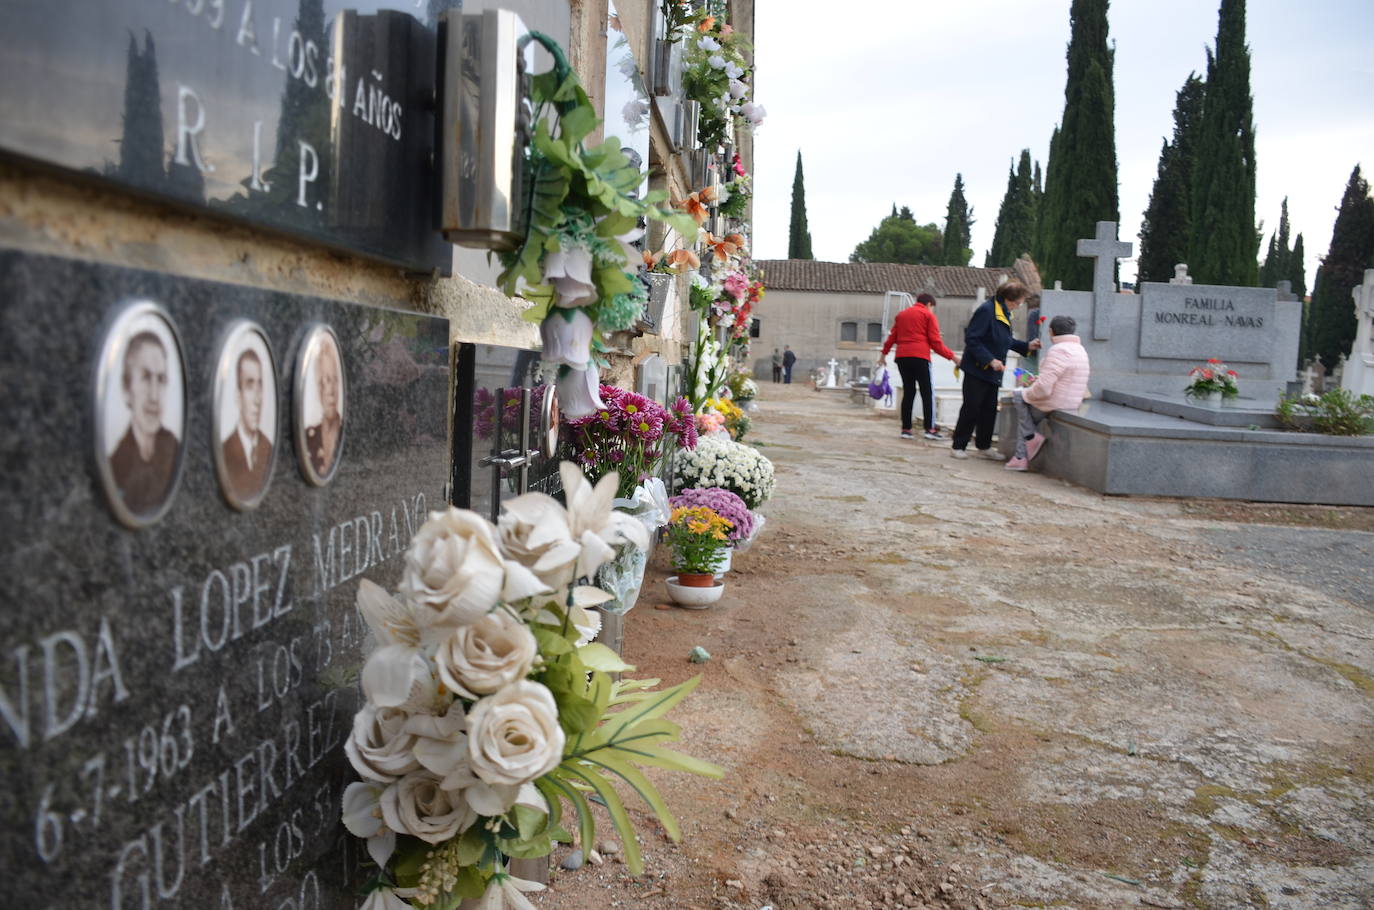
(698, 536)
(744, 524)
(1212, 383)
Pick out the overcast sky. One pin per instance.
(888, 99)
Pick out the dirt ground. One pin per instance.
(939, 684)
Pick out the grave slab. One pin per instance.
(174, 699)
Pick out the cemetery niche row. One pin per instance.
(143, 409)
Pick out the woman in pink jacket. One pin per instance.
(1061, 386)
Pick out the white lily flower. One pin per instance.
(733, 70)
(716, 61)
(587, 623)
(754, 113)
(589, 510)
(579, 392)
(391, 621)
(533, 530)
(505, 891)
(738, 89)
(709, 44)
(362, 816)
(567, 335)
(570, 273)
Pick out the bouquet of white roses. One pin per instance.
(734, 466)
(487, 706)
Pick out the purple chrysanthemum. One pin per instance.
(723, 503)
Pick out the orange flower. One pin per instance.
(650, 259)
(683, 258)
(694, 208)
(736, 239)
(705, 25)
(721, 248)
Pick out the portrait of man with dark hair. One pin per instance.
(143, 464)
(248, 450)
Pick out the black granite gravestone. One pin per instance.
(174, 698)
(304, 116)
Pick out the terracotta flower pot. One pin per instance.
(696, 579)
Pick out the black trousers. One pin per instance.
(978, 416)
(916, 371)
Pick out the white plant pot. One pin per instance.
(694, 598)
(1209, 400)
(725, 561)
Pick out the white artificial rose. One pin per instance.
(379, 748)
(480, 658)
(514, 736)
(441, 745)
(454, 567)
(567, 337)
(417, 805)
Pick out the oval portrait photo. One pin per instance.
(245, 418)
(140, 413)
(320, 405)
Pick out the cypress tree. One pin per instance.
(1278, 260)
(1164, 231)
(1042, 214)
(958, 226)
(1081, 184)
(1222, 241)
(1297, 270)
(798, 236)
(1332, 318)
(1015, 231)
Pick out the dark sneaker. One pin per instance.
(931, 434)
(906, 434)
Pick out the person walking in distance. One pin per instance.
(789, 360)
(986, 342)
(1061, 386)
(777, 365)
(916, 333)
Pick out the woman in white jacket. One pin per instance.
(1061, 386)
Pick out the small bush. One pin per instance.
(1337, 413)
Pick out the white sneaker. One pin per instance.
(991, 455)
(958, 453)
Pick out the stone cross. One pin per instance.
(1181, 275)
(830, 380)
(1105, 250)
(1358, 375)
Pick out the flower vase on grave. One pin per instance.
(1208, 400)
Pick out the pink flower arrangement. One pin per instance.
(724, 503)
(631, 434)
(709, 423)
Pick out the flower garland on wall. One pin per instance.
(576, 264)
(487, 706)
(717, 75)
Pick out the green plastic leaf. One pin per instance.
(597, 656)
(529, 822)
(551, 643)
(614, 807)
(615, 225)
(411, 854)
(668, 759)
(528, 848)
(650, 709)
(642, 786)
(586, 825)
(576, 124)
(470, 883)
(471, 845)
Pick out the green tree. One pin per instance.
(1164, 232)
(1080, 182)
(898, 238)
(1297, 269)
(1222, 240)
(1015, 231)
(798, 236)
(958, 226)
(1332, 321)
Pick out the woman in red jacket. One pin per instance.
(916, 333)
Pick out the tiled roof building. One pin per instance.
(854, 277)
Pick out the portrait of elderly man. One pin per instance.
(322, 439)
(248, 450)
(143, 464)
